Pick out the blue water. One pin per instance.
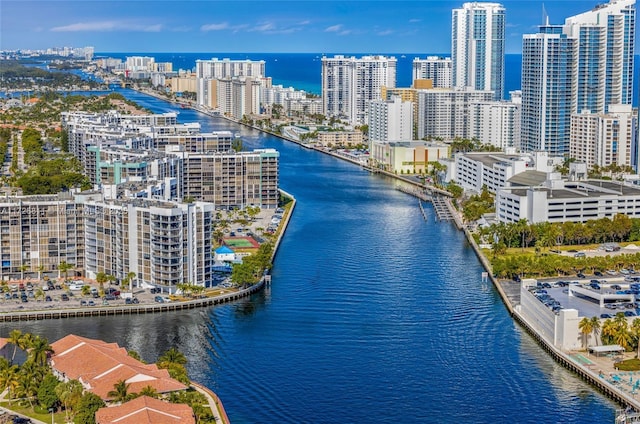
(303, 70)
(374, 315)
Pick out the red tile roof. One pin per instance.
(100, 365)
(145, 410)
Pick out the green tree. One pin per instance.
(47, 397)
(148, 391)
(585, 327)
(173, 356)
(15, 337)
(87, 407)
(39, 351)
(64, 267)
(9, 378)
(120, 392)
(69, 393)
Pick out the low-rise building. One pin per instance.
(407, 157)
(146, 410)
(98, 366)
(339, 138)
(475, 170)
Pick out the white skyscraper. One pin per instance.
(390, 120)
(548, 90)
(437, 69)
(606, 38)
(477, 47)
(349, 84)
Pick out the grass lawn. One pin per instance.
(629, 365)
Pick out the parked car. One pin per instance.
(47, 299)
(64, 297)
(597, 274)
(159, 299)
(109, 297)
(113, 291)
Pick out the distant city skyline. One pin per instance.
(258, 26)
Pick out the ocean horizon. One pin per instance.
(302, 71)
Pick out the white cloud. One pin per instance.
(87, 26)
(386, 32)
(105, 26)
(264, 27)
(334, 28)
(214, 27)
(413, 21)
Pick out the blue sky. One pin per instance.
(256, 26)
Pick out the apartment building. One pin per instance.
(478, 47)
(444, 112)
(163, 243)
(390, 120)
(350, 83)
(605, 139)
(37, 233)
(208, 71)
(231, 179)
(437, 69)
(339, 138)
(497, 123)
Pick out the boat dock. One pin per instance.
(441, 207)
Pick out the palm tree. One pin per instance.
(40, 350)
(585, 328)
(69, 394)
(595, 324)
(148, 391)
(14, 339)
(10, 379)
(173, 356)
(40, 270)
(23, 268)
(65, 268)
(635, 333)
(129, 280)
(119, 392)
(101, 278)
(608, 331)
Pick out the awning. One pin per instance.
(606, 349)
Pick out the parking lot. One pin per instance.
(555, 294)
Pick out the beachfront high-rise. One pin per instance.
(548, 90)
(208, 71)
(350, 83)
(478, 47)
(434, 68)
(606, 38)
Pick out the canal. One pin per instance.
(373, 315)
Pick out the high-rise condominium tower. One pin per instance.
(606, 38)
(548, 90)
(349, 83)
(477, 47)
